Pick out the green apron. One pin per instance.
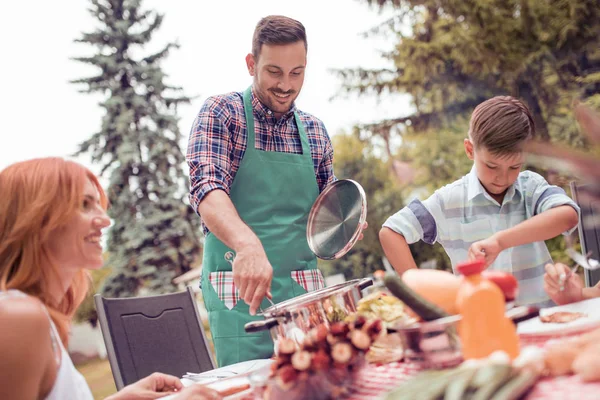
(273, 193)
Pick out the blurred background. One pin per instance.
(116, 84)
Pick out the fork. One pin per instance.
(580, 260)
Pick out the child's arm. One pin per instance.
(396, 250)
(544, 226)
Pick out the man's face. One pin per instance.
(496, 173)
(278, 75)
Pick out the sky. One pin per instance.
(45, 115)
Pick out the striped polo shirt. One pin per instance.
(462, 213)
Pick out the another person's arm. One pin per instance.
(208, 157)
(158, 385)
(573, 288)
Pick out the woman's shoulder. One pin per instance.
(27, 355)
(25, 315)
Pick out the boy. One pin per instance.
(496, 211)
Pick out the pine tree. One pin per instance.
(154, 236)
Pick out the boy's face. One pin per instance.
(496, 173)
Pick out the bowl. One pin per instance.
(432, 345)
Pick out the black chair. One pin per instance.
(589, 229)
(153, 334)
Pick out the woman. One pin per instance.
(52, 213)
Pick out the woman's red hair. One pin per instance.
(37, 197)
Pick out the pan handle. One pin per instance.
(364, 283)
(257, 326)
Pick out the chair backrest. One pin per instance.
(589, 232)
(153, 334)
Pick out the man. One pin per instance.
(257, 164)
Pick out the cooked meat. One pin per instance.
(561, 317)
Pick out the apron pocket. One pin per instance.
(222, 283)
(309, 279)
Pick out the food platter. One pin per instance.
(535, 327)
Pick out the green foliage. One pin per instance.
(356, 159)
(87, 310)
(451, 55)
(155, 236)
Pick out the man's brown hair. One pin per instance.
(501, 125)
(277, 30)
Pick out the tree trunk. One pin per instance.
(525, 92)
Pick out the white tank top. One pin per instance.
(69, 383)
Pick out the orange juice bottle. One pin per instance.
(483, 328)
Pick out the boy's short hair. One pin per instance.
(277, 30)
(501, 125)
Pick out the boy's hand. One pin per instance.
(573, 288)
(487, 249)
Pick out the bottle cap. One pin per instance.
(471, 267)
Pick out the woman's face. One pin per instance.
(77, 244)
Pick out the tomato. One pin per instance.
(505, 280)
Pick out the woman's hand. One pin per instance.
(198, 392)
(151, 387)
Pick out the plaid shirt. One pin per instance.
(218, 142)
(461, 213)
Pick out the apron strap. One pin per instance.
(251, 136)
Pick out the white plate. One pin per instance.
(219, 386)
(241, 368)
(535, 327)
(226, 377)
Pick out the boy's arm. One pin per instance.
(544, 226)
(396, 250)
(412, 223)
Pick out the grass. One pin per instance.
(99, 377)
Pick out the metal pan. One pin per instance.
(336, 218)
(295, 317)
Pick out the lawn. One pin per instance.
(98, 375)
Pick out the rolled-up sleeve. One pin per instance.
(208, 152)
(546, 197)
(415, 222)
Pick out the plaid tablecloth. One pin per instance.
(374, 381)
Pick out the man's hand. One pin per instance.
(573, 287)
(365, 226)
(252, 275)
(487, 249)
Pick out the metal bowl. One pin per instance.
(436, 344)
(336, 218)
(433, 344)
